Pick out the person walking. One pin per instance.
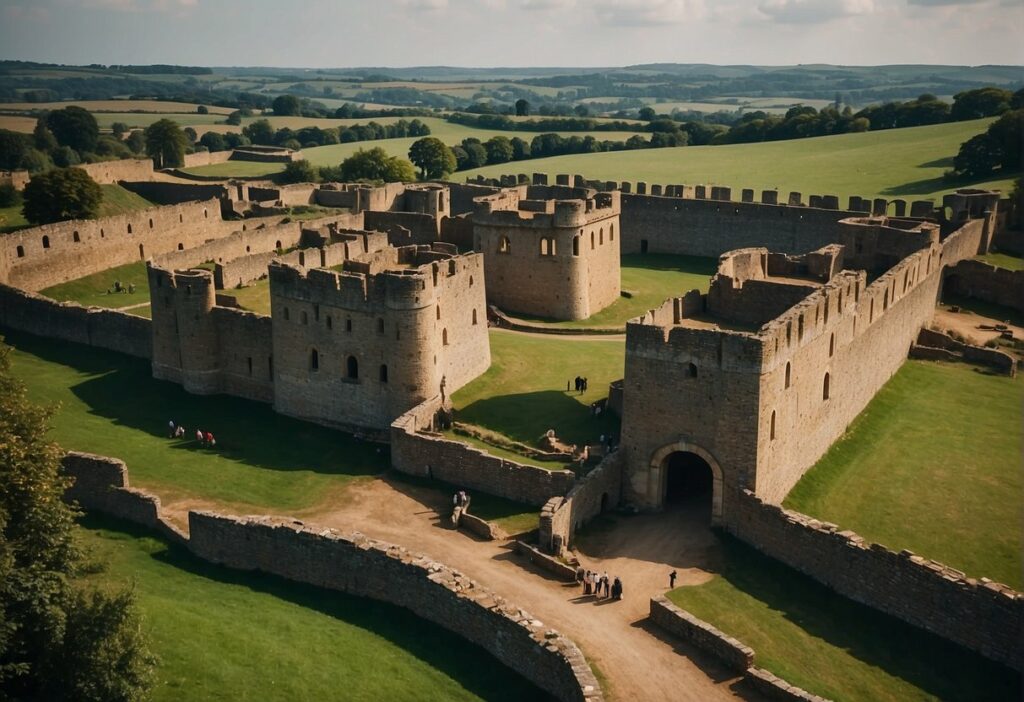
(210, 441)
(170, 429)
(672, 580)
(199, 435)
(617, 589)
(606, 583)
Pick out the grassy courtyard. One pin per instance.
(650, 279)
(116, 200)
(931, 465)
(832, 646)
(96, 289)
(226, 634)
(1003, 260)
(893, 163)
(523, 394)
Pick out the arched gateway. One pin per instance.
(687, 473)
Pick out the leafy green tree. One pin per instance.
(301, 171)
(119, 129)
(109, 146)
(520, 149)
(203, 110)
(376, 165)
(235, 118)
(499, 150)
(166, 143)
(65, 156)
(979, 156)
(42, 138)
(13, 146)
(214, 141)
(9, 195)
(581, 110)
(286, 105)
(57, 641)
(522, 107)
(259, 132)
(1008, 131)
(461, 158)
(190, 134)
(647, 114)
(74, 127)
(61, 194)
(35, 161)
(433, 157)
(136, 141)
(982, 102)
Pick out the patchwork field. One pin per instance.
(523, 393)
(113, 106)
(906, 163)
(831, 646)
(225, 634)
(931, 465)
(650, 279)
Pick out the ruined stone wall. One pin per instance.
(245, 354)
(206, 158)
(463, 194)
(92, 326)
(417, 452)
(404, 330)
(980, 615)
(42, 256)
(678, 622)
(596, 492)
(19, 179)
(987, 283)
(168, 193)
(360, 566)
(110, 172)
(404, 228)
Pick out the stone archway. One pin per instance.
(659, 468)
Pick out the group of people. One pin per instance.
(177, 431)
(580, 383)
(460, 506)
(599, 584)
(118, 287)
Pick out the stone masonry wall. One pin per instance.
(987, 283)
(92, 326)
(681, 623)
(109, 172)
(597, 491)
(363, 567)
(430, 455)
(978, 614)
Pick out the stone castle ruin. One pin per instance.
(378, 313)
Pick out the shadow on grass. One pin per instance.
(457, 658)
(527, 416)
(928, 186)
(122, 389)
(698, 265)
(939, 667)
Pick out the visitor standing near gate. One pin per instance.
(672, 580)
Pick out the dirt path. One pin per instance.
(635, 661)
(966, 323)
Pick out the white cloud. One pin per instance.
(648, 13)
(814, 11)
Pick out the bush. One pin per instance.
(9, 195)
(301, 171)
(62, 194)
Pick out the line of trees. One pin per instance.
(262, 132)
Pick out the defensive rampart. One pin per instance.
(92, 326)
(416, 450)
(978, 614)
(355, 565)
(110, 172)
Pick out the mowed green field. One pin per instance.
(116, 200)
(831, 646)
(523, 393)
(931, 465)
(233, 635)
(97, 289)
(332, 155)
(650, 279)
(895, 163)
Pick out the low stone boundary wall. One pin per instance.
(936, 346)
(92, 326)
(988, 283)
(433, 456)
(734, 653)
(206, 158)
(978, 614)
(101, 484)
(481, 527)
(543, 561)
(356, 565)
(597, 491)
(500, 319)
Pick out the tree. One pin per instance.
(57, 640)
(476, 152)
(61, 194)
(301, 171)
(203, 110)
(35, 161)
(581, 110)
(74, 127)
(376, 165)
(190, 134)
(647, 114)
(522, 107)
(43, 138)
(433, 157)
(235, 118)
(13, 146)
(136, 141)
(520, 149)
(214, 141)
(1008, 131)
(978, 156)
(286, 105)
(499, 149)
(65, 156)
(259, 132)
(983, 102)
(166, 143)
(9, 195)
(119, 129)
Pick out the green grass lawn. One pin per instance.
(116, 200)
(651, 279)
(109, 404)
(931, 465)
(831, 646)
(505, 453)
(254, 297)
(234, 635)
(523, 393)
(893, 163)
(1004, 260)
(93, 289)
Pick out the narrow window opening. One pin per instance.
(129, 228)
(181, 247)
(691, 370)
(330, 322)
(352, 368)
(575, 246)
(287, 314)
(831, 345)
(305, 317)
(74, 237)
(46, 242)
(825, 388)
(383, 373)
(773, 426)
(249, 360)
(611, 233)
(504, 245)
(444, 337)
(21, 252)
(151, 223)
(380, 325)
(474, 317)
(314, 360)
(789, 370)
(348, 325)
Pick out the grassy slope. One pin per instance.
(116, 200)
(894, 163)
(224, 634)
(1003, 260)
(932, 465)
(831, 646)
(523, 394)
(652, 279)
(92, 289)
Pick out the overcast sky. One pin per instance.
(336, 33)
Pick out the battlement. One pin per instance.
(546, 207)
